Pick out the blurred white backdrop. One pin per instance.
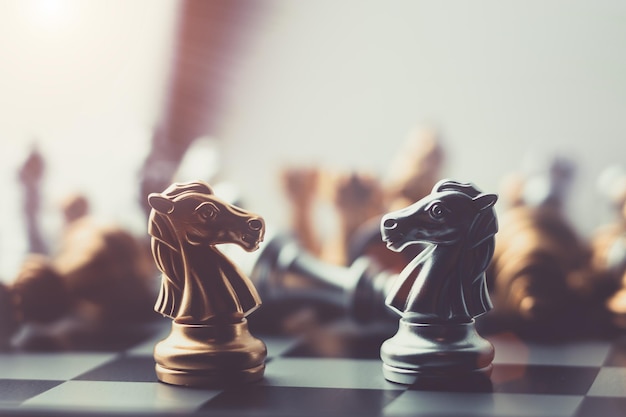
(341, 83)
(338, 83)
(84, 80)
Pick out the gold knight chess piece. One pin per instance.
(205, 294)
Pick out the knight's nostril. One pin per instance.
(390, 224)
(255, 224)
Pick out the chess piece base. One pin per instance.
(210, 355)
(420, 350)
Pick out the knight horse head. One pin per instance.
(457, 223)
(199, 283)
(444, 217)
(199, 217)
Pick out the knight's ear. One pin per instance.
(161, 204)
(485, 201)
(441, 184)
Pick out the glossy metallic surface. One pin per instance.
(435, 350)
(207, 296)
(443, 288)
(210, 355)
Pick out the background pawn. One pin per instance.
(301, 186)
(31, 176)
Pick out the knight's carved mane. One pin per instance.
(480, 245)
(166, 248)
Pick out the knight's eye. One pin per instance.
(436, 211)
(207, 212)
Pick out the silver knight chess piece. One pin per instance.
(442, 289)
(205, 294)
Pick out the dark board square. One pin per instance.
(539, 379)
(123, 368)
(297, 401)
(602, 406)
(617, 354)
(344, 346)
(467, 384)
(16, 391)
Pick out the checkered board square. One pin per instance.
(331, 371)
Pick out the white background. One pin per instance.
(338, 83)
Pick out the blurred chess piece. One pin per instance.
(30, 176)
(300, 289)
(301, 186)
(357, 198)
(541, 278)
(609, 242)
(100, 281)
(443, 289)
(540, 184)
(207, 296)
(37, 296)
(106, 269)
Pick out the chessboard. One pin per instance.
(329, 370)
